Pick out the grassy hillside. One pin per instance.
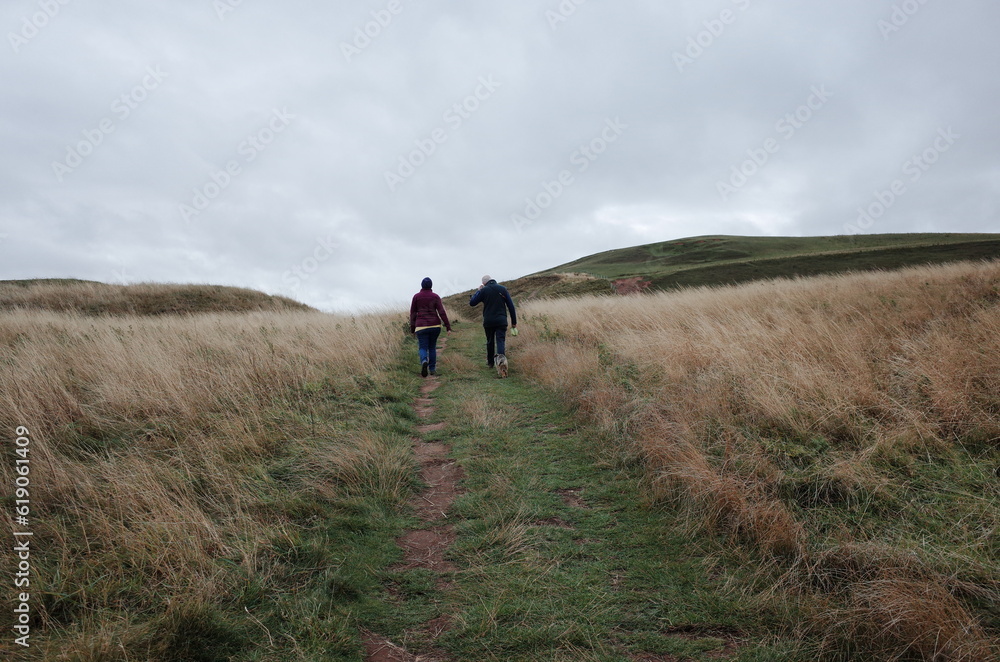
(714, 260)
(724, 260)
(93, 298)
(844, 427)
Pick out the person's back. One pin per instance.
(427, 315)
(496, 303)
(427, 310)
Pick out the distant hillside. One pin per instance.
(714, 260)
(94, 298)
(721, 260)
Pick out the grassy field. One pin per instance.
(846, 427)
(205, 487)
(790, 470)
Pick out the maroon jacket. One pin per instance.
(426, 309)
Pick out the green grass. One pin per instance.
(933, 505)
(332, 575)
(769, 257)
(543, 579)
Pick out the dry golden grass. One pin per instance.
(483, 411)
(153, 442)
(755, 405)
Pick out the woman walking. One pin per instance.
(427, 315)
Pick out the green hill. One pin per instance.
(713, 260)
(722, 260)
(94, 298)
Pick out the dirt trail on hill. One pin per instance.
(535, 542)
(425, 547)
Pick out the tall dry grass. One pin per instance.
(757, 406)
(152, 440)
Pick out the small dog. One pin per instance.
(501, 364)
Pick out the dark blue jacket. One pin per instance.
(496, 302)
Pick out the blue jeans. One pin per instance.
(427, 341)
(496, 341)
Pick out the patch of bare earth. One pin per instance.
(571, 497)
(380, 649)
(424, 407)
(426, 547)
(626, 286)
(442, 477)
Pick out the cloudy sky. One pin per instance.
(339, 152)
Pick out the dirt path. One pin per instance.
(536, 542)
(425, 547)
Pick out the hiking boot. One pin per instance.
(423, 368)
(433, 372)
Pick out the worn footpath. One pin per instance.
(533, 541)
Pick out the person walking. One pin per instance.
(496, 302)
(427, 315)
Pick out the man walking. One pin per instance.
(496, 302)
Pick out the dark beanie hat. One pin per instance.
(426, 284)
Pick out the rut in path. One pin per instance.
(425, 547)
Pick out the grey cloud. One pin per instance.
(324, 175)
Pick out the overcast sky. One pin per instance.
(339, 152)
